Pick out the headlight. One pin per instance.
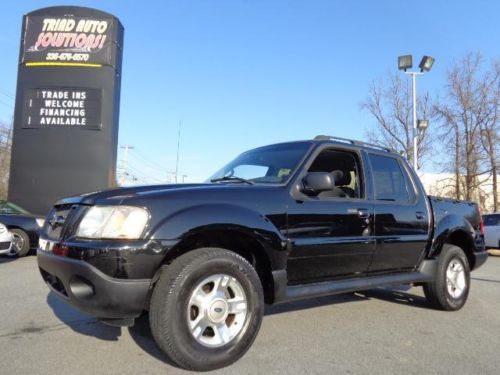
(3, 228)
(114, 222)
(40, 222)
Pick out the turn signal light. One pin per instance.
(61, 250)
(481, 222)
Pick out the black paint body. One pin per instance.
(295, 239)
(54, 161)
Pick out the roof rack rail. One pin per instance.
(352, 141)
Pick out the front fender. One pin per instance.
(447, 227)
(201, 218)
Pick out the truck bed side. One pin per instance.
(456, 222)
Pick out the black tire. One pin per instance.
(24, 239)
(437, 292)
(170, 302)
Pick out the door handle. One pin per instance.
(363, 213)
(419, 215)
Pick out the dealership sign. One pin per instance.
(67, 39)
(66, 118)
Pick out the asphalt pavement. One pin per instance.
(381, 331)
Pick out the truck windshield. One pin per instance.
(267, 165)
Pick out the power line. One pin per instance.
(2, 101)
(141, 174)
(125, 162)
(157, 165)
(7, 95)
(144, 168)
(138, 173)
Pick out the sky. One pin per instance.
(241, 74)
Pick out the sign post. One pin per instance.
(67, 105)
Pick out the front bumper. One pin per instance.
(5, 244)
(5, 247)
(90, 290)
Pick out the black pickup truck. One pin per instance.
(278, 223)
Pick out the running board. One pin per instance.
(298, 292)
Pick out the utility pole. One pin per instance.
(125, 163)
(178, 146)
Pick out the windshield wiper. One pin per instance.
(233, 179)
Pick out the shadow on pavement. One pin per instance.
(6, 259)
(312, 303)
(80, 322)
(394, 294)
(141, 334)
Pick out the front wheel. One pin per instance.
(20, 243)
(206, 308)
(450, 288)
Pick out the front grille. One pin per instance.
(4, 245)
(58, 220)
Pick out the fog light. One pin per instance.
(81, 288)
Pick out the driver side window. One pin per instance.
(343, 166)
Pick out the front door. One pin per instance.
(331, 233)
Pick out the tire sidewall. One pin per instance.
(176, 306)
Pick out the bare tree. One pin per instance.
(468, 114)
(389, 102)
(5, 147)
(490, 125)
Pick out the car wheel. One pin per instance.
(206, 308)
(20, 243)
(450, 288)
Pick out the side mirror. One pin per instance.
(317, 182)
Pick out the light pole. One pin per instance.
(406, 62)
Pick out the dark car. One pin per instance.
(23, 225)
(279, 223)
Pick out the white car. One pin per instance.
(492, 230)
(5, 240)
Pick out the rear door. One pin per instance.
(401, 215)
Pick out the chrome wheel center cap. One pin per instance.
(218, 311)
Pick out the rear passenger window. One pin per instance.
(388, 179)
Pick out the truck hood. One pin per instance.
(136, 191)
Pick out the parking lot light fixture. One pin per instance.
(426, 63)
(422, 124)
(405, 62)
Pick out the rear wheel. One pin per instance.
(450, 288)
(206, 308)
(20, 243)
